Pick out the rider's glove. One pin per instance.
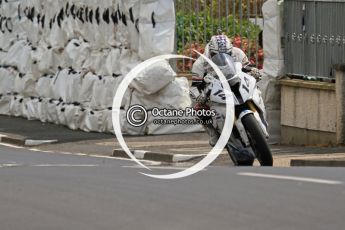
(201, 99)
(255, 73)
(209, 76)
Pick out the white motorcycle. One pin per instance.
(250, 129)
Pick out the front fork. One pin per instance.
(242, 111)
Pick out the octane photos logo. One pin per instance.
(131, 116)
(137, 116)
(210, 157)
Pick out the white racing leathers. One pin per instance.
(248, 106)
(200, 67)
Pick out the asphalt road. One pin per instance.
(36, 130)
(54, 191)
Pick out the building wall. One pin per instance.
(308, 112)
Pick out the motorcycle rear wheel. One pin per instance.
(257, 140)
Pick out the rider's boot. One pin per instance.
(213, 134)
(240, 155)
(244, 156)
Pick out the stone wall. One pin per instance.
(308, 113)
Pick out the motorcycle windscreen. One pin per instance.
(226, 64)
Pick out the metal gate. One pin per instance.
(198, 20)
(314, 37)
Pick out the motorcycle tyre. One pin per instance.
(258, 140)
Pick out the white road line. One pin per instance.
(147, 162)
(10, 165)
(157, 167)
(292, 178)
(46, 165)
(63, 165)
(12, 146)
(202, 150)
(81, 154)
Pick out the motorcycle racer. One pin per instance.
(222, 44)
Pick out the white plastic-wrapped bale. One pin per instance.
(112, 64)
(106, 121)
(27, 29)
(131, 10)
(91, 121)
(128, 129)
(86, 90)
(5, 102)
(52, 113)
(173, 96)
(74, 82)
(128, 60)
(19, 55)
(6, 41)
(7, 78)
(188, 125)
(17, 106)
(57, 38)
(43, 86)
(103, 93)
(3, 52)
(25, 84)
(274, 57)
(51, 60)
(39, 60)
(96, 62)
(73, 115)
(43, 109)
(32, 109)
(77, 52)
(128, 94)
(154, 78)
(105, 27)
(66, 86)
(61, 108)
(7, 35)
(156, 26)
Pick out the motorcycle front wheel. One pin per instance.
(257, 140)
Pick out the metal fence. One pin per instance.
(198, 20)
(314, 36)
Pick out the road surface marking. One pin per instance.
(46, 165)
(9, 165)
(80, 154)
(12, 146)
(293, 178)
(157, 167)
(64, 165)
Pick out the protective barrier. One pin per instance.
(61, 61)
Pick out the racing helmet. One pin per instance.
(220, 44)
